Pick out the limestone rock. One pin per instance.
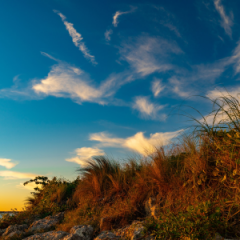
(132, 232)
(46, 223)
(219, 237)
(73, 236)
(107, 235)
(13, 235)
(16, 229)
(80, 232)
(52, 235)
(2, 231)
(84, 231)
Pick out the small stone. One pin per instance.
(107, 235)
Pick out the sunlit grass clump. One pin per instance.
(195, 184)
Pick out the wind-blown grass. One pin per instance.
(195, 183)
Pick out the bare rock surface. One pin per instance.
(14, 231)
(219, 237)
(46, 223)
(80, 232)
(107, 235)
(52, 235)
(2, 231)
(132, 232)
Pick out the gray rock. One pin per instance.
(132, 232)
(15, 228)
(2, 231)
(52, 235)
(73, 236)
(46, 223)
(219, 237)
(83, 231)
(107, 235)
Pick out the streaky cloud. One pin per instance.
(118, 14)
(76, 38)
(227, 21)
(157, 87)
(16, 175)
(150, 54)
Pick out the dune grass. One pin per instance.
(195, 184)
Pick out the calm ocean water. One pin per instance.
(2, 213)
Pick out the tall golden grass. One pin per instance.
(202, 167)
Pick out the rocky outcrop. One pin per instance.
(132, 232)
(45, 224)
(2, 231)
(14, 231)
(52, 235)
(107, 235)
(80, 232)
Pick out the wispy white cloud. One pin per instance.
(187, 82)
(118, 14)
(7, 163)
(84, 155)
(67, 81)
(16, 175)
(148, 109)
(138, 143)
(227, 21)
(148, 55)
(177, 87)
(156, 87)
(76, 38)
(108, 34)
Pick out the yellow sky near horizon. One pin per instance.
(13, 195)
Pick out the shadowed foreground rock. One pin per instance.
(14, 231)
(52, 235)
(47, 223)
(80, 232)
(107, 235)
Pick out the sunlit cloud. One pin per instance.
(16, 175)
(76, 38)
(148, 109)
(118, 14)
(138, 143)
(7, 163)
(157, 87)
(148, 55)
(67, 81)
(227, 21)
(84, 155)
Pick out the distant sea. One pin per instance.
(2, 213)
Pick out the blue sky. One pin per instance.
(87, 78)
